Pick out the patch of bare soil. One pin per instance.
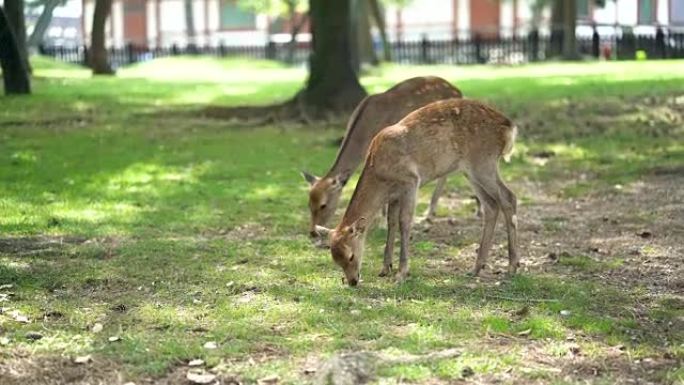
(37, 245)
(50, 370)
(632, 236)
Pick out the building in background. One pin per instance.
(161, 23)
(445, 19)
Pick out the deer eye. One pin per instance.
(351, 258)
(323, 206)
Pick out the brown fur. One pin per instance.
(374, 113)
(438, 139)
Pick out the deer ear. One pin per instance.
(309, 178)
(322, 230)
(358, 227)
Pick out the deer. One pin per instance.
(374, 113)
(429, 143)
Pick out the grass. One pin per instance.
(194, 229)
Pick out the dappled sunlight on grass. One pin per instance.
(172, 230)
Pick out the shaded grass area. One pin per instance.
(172, 230)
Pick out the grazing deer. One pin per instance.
(374, 113)
(433, 141)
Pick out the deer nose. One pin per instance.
(313, 234)
(353, 282)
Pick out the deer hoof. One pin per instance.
(401, 276)
(386, 271)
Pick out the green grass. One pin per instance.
(197, 226)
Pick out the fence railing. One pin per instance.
(477, 49)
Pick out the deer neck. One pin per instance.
(368, 198)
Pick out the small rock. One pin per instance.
(200, 377)
(33, 336)
(82, 359)
(210, 345)
(4, 341)
(196, 362)
(355, 312)
(565, 313)
(114, 339)
(6, 286)
(272, 379)
(97, 327)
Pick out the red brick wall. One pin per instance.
(484, 17)
(135, 22)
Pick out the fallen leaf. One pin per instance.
(82, 359)
(21, 318)
(114, 339)
(565, 313)
(525, 332)
(272, 379)
(200, 377)
(210, 345)
(196, 362)
(97, 327)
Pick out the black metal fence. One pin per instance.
(477, 49)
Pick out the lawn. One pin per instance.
(139, 233)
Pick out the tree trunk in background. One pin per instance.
(98, 51)
(332, 85)
(14, 71)
(569, 26)
(14, 12)
(190, 24)
(379, 17)
(555, 47)
(42, 24)
(366, 51)
(295, 27)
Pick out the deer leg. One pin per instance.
(509, 204)
(490, 213)
(436, 194)
(407, 209)
(392, 222)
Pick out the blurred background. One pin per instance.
(418, 31)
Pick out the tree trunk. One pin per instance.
(98, 51)
(557, 22)
(14, 71)
(569, 26)
(366, 51)
(295, 27)
(42, 24)
(332, 85)
(379, 17)
(14, 11)
(190, 24)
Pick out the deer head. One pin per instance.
(346, 246)
(323, 196)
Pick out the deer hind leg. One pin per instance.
(509, 205)
(436, 194)
(392, 224)
(490, 213)
(407, 207)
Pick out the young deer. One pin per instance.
(433, 141)
(374, 113)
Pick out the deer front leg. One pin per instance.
(439, 189)
(392, 223)
(407, 209)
